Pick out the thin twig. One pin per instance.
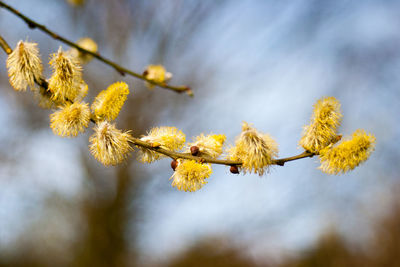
(122, 70)
(177, 155)
(169, 153)
(5, 46)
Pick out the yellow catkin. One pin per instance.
(348, 154)
(255, 150)
(83, 90)
(169, 138)
(70, 120)
(65, 83)
(109, 145)
(24, 66)
(209, 145)
(109, 102)
(322, 129)
(190, 175)
(156, 73)
(88, 44)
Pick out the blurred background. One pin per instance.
(264, 62)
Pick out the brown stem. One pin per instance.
(122, 70)
(5, 46)
(177, 155)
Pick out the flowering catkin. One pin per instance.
(348, 154)
(109, 102)
(190, 175)
(156, 73)
(254, 149)
(24, 66)
(109, 145)
(65, 83)
(165, 137)
(323, 127)
(70, 120)
(209, 145)
(88, 44)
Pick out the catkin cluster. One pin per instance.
(252, 151)
(321, 138)
(65, 91)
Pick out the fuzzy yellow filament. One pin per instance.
(322, 129)
(165, 137)
(190, 175)
(65, 83)
(109, 102)
(109, 145)
(348, 154)
(70, 120)
(209, 145)
(24, 66)
(254, 149)
(156, 73)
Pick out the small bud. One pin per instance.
(156, 75)
(188, 91)
(337, 139)
(174, 164)
(194, 150)
(234, 169)
(156, 144)
(31, 25)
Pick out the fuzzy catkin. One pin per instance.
(169, 138)
(322, 129)
(348, 154)
(24, 66)
(190, 175)
(109, 102)
(109, 145)
(70, 120)
(66, 81)
(209, 145)
(254, 149)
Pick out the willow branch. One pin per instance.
(172, 154)
(177, 155)
(120, 69)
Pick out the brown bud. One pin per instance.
(121, 72)
(145, 73)
(234, 169)
(194, 150)
(336, 139)
(174, 164)
(188, 91)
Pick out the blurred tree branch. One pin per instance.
(122, 70)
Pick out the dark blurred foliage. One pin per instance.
(332, 249)
(382, 250)
(212, 252)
